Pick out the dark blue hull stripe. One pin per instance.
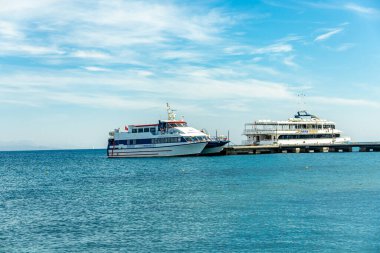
(171, 146)
(142, 151)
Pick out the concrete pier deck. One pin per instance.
(315, 148)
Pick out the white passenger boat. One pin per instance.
(303, 129)
(169, 137)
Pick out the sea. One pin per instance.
(81, 201)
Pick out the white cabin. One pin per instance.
(303, 129)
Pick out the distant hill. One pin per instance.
(15, 146)
(28, 145)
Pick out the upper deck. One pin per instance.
(302, 122)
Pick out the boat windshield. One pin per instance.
(177, 125)
(195, 138)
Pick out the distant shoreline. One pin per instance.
(58, 149)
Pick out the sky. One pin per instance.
(71, 71)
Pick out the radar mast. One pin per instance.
(171, 112)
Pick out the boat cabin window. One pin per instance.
(166, 140)
(308, 136)
(148, 141)
(152, 129)
(141, 130)
(134, 130)
(146, 130)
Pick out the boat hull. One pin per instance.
(163, 150)
(214, 147)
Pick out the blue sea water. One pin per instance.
(80, 201)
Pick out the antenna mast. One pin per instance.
(171, 112)
(301, 102)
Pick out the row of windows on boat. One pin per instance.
(309, 136)
(158, 140)
(144, 130)
(154, 129)
(292, 127)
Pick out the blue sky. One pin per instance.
(70, 71)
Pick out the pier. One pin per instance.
(315, 148)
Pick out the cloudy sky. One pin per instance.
(71, 71)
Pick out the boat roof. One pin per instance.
(165, 121)
(145, 125)
(174, 121)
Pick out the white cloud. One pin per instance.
(234, 106)
(145, 28)
(10, 30)
(327, 35)
(270, 49)
(96, 69)
(102, 101)
(289, 38)
(119, 23)
(186, 55)
(32, 87)
(151, 20)
(20, 48)
(345, 101)
(25, 8)
(237, 50)
(275, 48)
(360, 9)
(18, 102)
(144, 73)
(289, 61)
(257, 59)
(344, 47)
(90, 54)
(100, 35)
(352, 7)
